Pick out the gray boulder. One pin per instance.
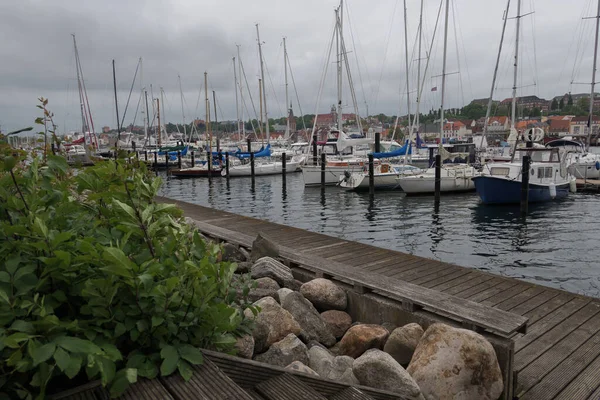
(243, 267)
(313, 326)
(341, 371)
(361, 338)
(297, 366)
(232, 253)
(324, 294)
(403, 341)
(379, 370)
(320, 360)
(265, 287)
(452, 363)
(272, 324)
(337, 321)
(244, 346)
(271, 268)
(264, 247)
(282, 293)
(285, 352)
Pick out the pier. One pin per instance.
(554, 334)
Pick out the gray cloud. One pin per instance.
(188, 37)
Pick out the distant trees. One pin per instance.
(554, 105)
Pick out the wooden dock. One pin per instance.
(588, 185)
(557, 358)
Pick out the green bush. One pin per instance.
(98, 281)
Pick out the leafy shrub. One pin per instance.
(99, 281)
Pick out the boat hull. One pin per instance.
(262, 169)
(452, 181)
(496, 190)
(360, 182)
(312, 174)
(195, 173)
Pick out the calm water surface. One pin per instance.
(556, 245)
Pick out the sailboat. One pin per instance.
(339, 147)
(501, 182)
(453, 177)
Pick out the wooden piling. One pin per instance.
(283, 165)
(525, 185)
(178, 159)
(372, 173)
(314, 149)
(438, 177)
(252, 165)
(227, 164)
(323, 162)
(193, 159)
(377, 142)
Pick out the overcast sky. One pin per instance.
(188, 37)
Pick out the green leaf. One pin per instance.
(57, 163)
(107, 370)
(12, 264)
(156, 321)
(4, 296)
(22, 326)
(76, 345)
(126, 207)
(62, 358)
(9, 163)
(4, 277)
(43, 353)
(185, 370)
(121, 265)
(112, 352)
(74, 366)
(23, 271)
(170, 360)
(120, 329)
(191, 354)
(40, 227)
(123, 378)
(13, 340)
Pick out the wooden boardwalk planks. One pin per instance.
(558, 357)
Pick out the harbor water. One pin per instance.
(556, 245)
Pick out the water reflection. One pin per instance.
(555, 245)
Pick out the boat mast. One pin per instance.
(444, 71)
(116, 106)
(417, 116)
(407, 70)
(182, 110)
(264, 91)
(241, 92)
(260, 97)
(339, 15)
(216, 117)
(84, 125)
(208, 130)
(591, 121)
(162, 100)
(158, 134)
(287, 101)
(513, 114)
(237, 101)
(491, 101)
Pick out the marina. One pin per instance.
(555, 357)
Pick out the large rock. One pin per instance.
(232, 253)
(451, 363)
(243, 267)
(324, 294)
(320, 360)
(297, 366)
(264, 247)
(378, 369)
(361, 338)
(282, 293)
(272, 324)
(403, 341)
(265, 287)
(337, 321)
(270, 268)
(313, 326)
(244, 346)
(341, 371)
(285, 352)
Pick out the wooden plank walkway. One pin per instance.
(558, 357)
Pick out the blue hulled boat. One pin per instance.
(500, 183)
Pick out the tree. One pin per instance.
(473, 111)
(536, 112)
(554, 105)
(583, 104)
(561, 104)
(570, 101)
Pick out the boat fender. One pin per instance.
(597, 165)
(552, 189)
(573, 186)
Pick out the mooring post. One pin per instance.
(377, 142)
(438, 177)
(525, 185)
(249, 142)
(323, 162)
(137, 155)
(218, 144)
(314, 149)
(220, 155)
(53, 149)
(209, 163)
(167, 161)
(156, 162)
(145, 155)
(252, 165)
(178, 159)
(193, 159)
(227, 164)
(283, 165)
(371, 175)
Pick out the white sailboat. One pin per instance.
(453, 177)
(339, 147)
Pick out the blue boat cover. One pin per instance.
(263, 152)
(398, 152)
